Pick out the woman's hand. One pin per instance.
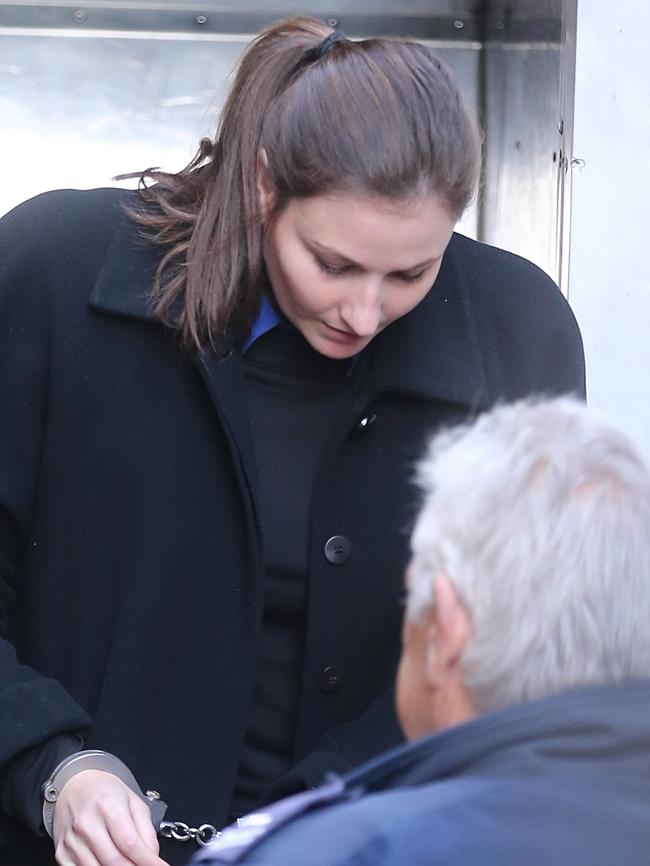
(98, 821)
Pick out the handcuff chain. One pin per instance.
(204, 835)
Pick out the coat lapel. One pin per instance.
(123, 288)
(223, 374)
(123, 285)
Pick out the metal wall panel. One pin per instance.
(79, 110)
(520, 197)
(90, 91)
(76, 111)
(457, 20)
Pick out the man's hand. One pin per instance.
(98, 821)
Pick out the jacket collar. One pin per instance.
(591, 720)
(433, 352)
(124, 281)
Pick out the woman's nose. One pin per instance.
(362, 313)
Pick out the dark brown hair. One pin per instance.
(378, 118)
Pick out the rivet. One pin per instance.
(332, 22)
(51, 794)
(500, 25)
(459, 25)
(201, 19)
(80, 15)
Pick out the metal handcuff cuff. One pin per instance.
(94, 759)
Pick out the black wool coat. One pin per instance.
(130, 550)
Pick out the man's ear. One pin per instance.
(447, 635)
(265, 190)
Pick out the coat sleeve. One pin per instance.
(33, 708)
(343, 748)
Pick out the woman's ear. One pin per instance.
(265, 190)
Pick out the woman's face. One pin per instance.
(342, 268)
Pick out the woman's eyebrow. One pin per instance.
(325, 249)
(348, 261)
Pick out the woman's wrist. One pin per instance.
(95, 760)
(21, 780)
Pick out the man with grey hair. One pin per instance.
(524, 683)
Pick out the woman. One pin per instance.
(213, 393)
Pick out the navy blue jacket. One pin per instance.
(563, 781)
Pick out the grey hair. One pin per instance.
(539, 513)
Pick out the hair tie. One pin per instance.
(329, 42)
(317, 52)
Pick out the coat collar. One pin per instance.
(432, 353)
(123, 283)
(579, 725)
(589, 720)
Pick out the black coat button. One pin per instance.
(330, 679)
(337, 549)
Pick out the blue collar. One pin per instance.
(267, 318)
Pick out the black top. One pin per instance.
(295, 397)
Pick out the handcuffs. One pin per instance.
(94, 759)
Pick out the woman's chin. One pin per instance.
(333, 343)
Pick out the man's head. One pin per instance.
(530, 570)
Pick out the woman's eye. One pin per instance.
(338, 270)
(330, 269)
(411, 278)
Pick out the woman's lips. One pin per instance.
(340, 335)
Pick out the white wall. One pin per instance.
(609, 266)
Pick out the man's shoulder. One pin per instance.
(395, 826)
(398, 826)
